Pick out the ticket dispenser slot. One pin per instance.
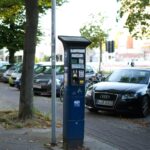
(74, 78)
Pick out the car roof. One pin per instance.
(135, 68)
(49, 63)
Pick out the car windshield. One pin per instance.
(4, 67)
(39, 69)
(59, 69)
(48, 70)
(130, 76)
(18, 69)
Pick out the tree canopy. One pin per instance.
(13, 20)
(12, 34)
(137, 14)
(95, 32)
(31, 9)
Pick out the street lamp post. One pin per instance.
(53, 54)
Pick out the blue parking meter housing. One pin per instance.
(74, 90)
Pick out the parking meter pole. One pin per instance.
(53, 54)
(74, 91)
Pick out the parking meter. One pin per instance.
(74, 90)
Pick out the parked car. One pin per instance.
(3, 63)
(3, 68)
(8, 72)
(90, 72)
(125, 90)
(42, 82)
(38, 69)
(16, 74)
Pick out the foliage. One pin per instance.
(12, 33)
(94, 31)
(12, 24)
(11, 7)
(32, 9)
(137, 13)
(12, 30)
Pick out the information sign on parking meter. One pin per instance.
(74, 90)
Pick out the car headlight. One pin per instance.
(49, 82)
(129, 96)
(89, 91)
(58, 83)
(18, 78)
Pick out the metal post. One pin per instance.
(53, 54)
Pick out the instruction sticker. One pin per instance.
(76, 103)
(77, 50)
(77, 66)
(77, 55)
(81, 73)
(81, 61)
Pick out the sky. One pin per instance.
(71, 16)
(75, 13)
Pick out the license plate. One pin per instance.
(37, 86)
(104, 102)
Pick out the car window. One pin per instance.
(4, 67)
(48, 70)
(39, 69)
(18, 69)
(12, 68)
(89, 69)
(130, 76)
(59, 69)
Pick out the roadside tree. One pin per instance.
(12, 34)
(137, 17)
(95, 32)
(31, 8)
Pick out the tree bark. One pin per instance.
(11, 56)
(26, 93)
(100, 56)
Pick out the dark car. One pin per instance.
(42, 81)
(38, 68)
(125, 90)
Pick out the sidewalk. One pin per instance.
(39, 139)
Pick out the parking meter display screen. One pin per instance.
(74, 61)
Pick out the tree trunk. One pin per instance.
(11, 56)
(26, 93)
(100, 56)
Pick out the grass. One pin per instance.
(9, 120)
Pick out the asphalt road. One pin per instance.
(124, 132)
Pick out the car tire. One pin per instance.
(11, 85)
(144, 107)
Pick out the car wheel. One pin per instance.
(12, 85)
(144, 107)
